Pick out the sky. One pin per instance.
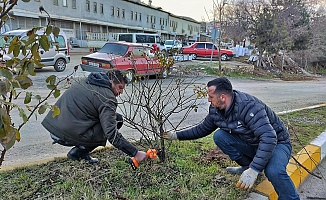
(189, 8)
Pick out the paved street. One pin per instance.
(36, 144)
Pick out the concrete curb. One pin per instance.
(309, 157)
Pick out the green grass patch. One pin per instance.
(193, 170)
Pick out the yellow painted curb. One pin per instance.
(309, 157)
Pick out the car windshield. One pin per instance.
(169, 42)
(113, 48)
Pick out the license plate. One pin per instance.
(94, 64)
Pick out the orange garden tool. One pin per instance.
(151, 153)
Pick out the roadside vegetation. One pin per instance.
(192, 170)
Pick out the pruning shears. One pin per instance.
(151, 153)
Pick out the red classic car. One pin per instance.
(204, 49)
(130, 57)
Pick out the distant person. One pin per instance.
(250, 133)
(88, 117)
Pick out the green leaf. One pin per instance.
(24, 81)
(5, 73)
(22, 114)
(17, 135)
(9, 63)
(41, 109)
(56, 93)
(51, 87)
(56, 111)
(26, 1)
(48, 30)
(35, 52)
(30, 68)
(51, 79)
(44, 42)
(24, 51)
(16, 50)
(56, 31)
(15, 83)
(38, 97)
(8, 141)
(28, 98)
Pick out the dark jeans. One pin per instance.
(275, 170)
(85, 148)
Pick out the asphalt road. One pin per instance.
(36, 143)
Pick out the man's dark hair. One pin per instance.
(117, 77)
(222, 84)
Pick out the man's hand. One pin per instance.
(141, 156)
(247, 179)
(170, 135)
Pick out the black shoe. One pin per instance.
(79, 154)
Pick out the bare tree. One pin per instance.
(151, 107)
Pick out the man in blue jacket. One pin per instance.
(88, 117)
(250, 133)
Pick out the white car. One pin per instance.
(173, 46)
(58, 58)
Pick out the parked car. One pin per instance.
(53, 57)
(204, 49)
(173, 46)
(129, 57)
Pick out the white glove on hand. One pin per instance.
(247, 179)
(170, 135)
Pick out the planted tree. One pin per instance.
(152, 106)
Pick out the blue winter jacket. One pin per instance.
(249, 118)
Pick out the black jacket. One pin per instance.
(249, 118)
(88, 115)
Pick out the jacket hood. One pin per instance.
(99, 79)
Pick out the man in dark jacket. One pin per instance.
(88, 117)
(250, 133)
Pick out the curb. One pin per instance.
(309, 157)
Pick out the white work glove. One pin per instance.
(247, 179)
(170, 135)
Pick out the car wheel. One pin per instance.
(60, 65)
(224, 57)
(194, 56)
(130, 75)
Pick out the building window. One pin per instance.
(118, 12)
(101, 8)
(132, 15)
(147, 19)
(64, 3)
(112, 10)
(139, 16)
(123, 13)
(73, 4)
(136, 16)
(55, 2)
(95, 7)
(88, 6)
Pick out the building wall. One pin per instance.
(100, 16)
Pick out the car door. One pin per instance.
(141, 64)
(209, 48)
(200, 49)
